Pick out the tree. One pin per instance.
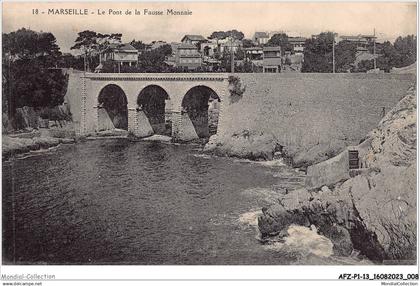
(69, 61)
(220, 35)
(365, 65)
(235, 34)
(28, 44)
(30, 78)
(47, 47)
(154, 60)
(91, 44)
(405, 49)
(36, 86)
(20, 44)
(318, 53)
(247, 43)
(388, 57)
(245, 67)
(345, 56)
(138, 45)
(280, 40)
(400, 54)
(225, 61)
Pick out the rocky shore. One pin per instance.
(261, 145)
(370, 211)
(24, 142)
(247, 144)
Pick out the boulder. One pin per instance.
(246, 144)
(316, 153)
(328, 172)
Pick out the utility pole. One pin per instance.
(84, 61)
(84, 64)
(9, 93)
(374, 48)
(232, 56)
(333, 53)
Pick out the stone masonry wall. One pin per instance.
(303, 111)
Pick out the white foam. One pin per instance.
(157, 137)
(250, 218)
(304, 241)
(271, 164)
(204, 156)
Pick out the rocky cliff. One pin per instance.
(372, 211)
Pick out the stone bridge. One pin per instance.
(175, 85)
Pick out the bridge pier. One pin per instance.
(222, 106)
(182, 127)
(132, 120)
(138, 123)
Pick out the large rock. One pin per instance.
(18, 145)
(277, 219)
(312, 154)
(328, 172)
(246, 144)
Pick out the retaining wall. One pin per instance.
(304, 110)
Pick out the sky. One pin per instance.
(389, 19)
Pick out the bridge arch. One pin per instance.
(112, 108)
(153, 102)
(202, 105)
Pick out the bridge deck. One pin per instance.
(158, 76)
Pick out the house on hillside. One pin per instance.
(362, 41)
(193, 39)
(209, 47)
(298, 44)
(123, 54)
(157, 44)
(272, 59)
(253, 53)
(228, 44)
(261, 38)
(188, 57)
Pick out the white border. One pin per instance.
(185, 275)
